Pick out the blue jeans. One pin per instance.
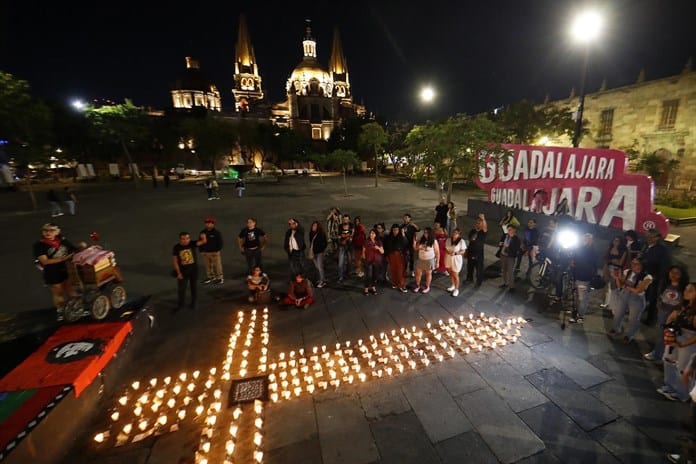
(343, 256)
(319, 264)
(583, 296)
(632, 304)
(659, 349)
(372, 272)
(296, 265)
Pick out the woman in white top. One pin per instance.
(454, 258)
(428, 256)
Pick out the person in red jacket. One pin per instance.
(358, 243)
(300, 293)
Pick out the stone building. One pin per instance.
(193, 91)
(655, 116)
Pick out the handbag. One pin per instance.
(310, 253)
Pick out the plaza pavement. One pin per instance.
(570, 395)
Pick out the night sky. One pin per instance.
(478, 55)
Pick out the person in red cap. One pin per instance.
(211, 252)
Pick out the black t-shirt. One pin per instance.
(345, 233)
(477, 238)
(58, 272)
(441, 214)
(186, 254)
(409, 231)
(251, 237)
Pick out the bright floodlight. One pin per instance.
(78, 104)
(587, 26)
(567, 238)
(427, 94)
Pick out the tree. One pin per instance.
(24, 122)
(657, 167)
(122, 125)
(524, 122)
(394, 149)
(342, 159)
(373, 139)
(452, 147)
(212, 137)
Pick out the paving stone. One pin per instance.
(380, 399)
(545, 457)
(134, 456)
(435, 408)
(563, 437)
(580, 405)
(467, 447)
(628, 444)
(304, 452)
(531, 336)
(178, 446)
(401, 440)
(506, 434)
(339, 419)
(288, 422)
(517, 392)
(458, 376)
(582, 372)
(522, 359)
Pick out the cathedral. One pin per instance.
(317, 100)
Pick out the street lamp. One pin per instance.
(585, 29)
(78, 104)
(427, 94)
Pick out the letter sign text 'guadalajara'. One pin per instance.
(593, 181)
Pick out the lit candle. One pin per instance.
(99, 437)
(142, 425)
(236, 413)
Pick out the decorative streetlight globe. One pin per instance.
(587, 26)
(78, 105)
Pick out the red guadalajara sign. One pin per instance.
(593, 181)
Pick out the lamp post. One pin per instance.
(585, 29)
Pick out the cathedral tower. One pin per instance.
(247, 81)
(339, 69)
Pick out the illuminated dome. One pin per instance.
(308, 77)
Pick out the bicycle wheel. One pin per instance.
(536, 279)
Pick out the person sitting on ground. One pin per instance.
(258, 284)
(300, 293)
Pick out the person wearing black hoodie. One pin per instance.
(210, 252)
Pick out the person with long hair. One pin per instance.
(300, 293)
(317, 246)
(669, 301)
(451, 218)
(428, 254)
(680, 339)
(631, 284)
(395, 247)
(358, 243)
(614, 260)
(440, 235)
(372, 255)
(454, 258)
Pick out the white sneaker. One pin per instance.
(450, 288)
(455, 292)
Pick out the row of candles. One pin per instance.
(388, 355)
(150, 406)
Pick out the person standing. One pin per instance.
(208, 184)
(52, 251)
(345, 237)
(441, 212)
(165, 178)
(395, 248)
(70, 200)
(372, 254)
(657, 260)
(409, 229)
(584, 268)
(211, 252)
(428, 254)
(186, 267)
(240, 187)
(631, 284)
(509, 218)
(670, 300)
(317, 247)
(477, 240)
(333, 222)
(54, 201)
(216, 189)
(614, 261)
(440, 235)
(252, 242)
(294, 246)
(530, 236)
(455, 248)
(633, 245)
(508, 255)
(358, 243)
(451, 218)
